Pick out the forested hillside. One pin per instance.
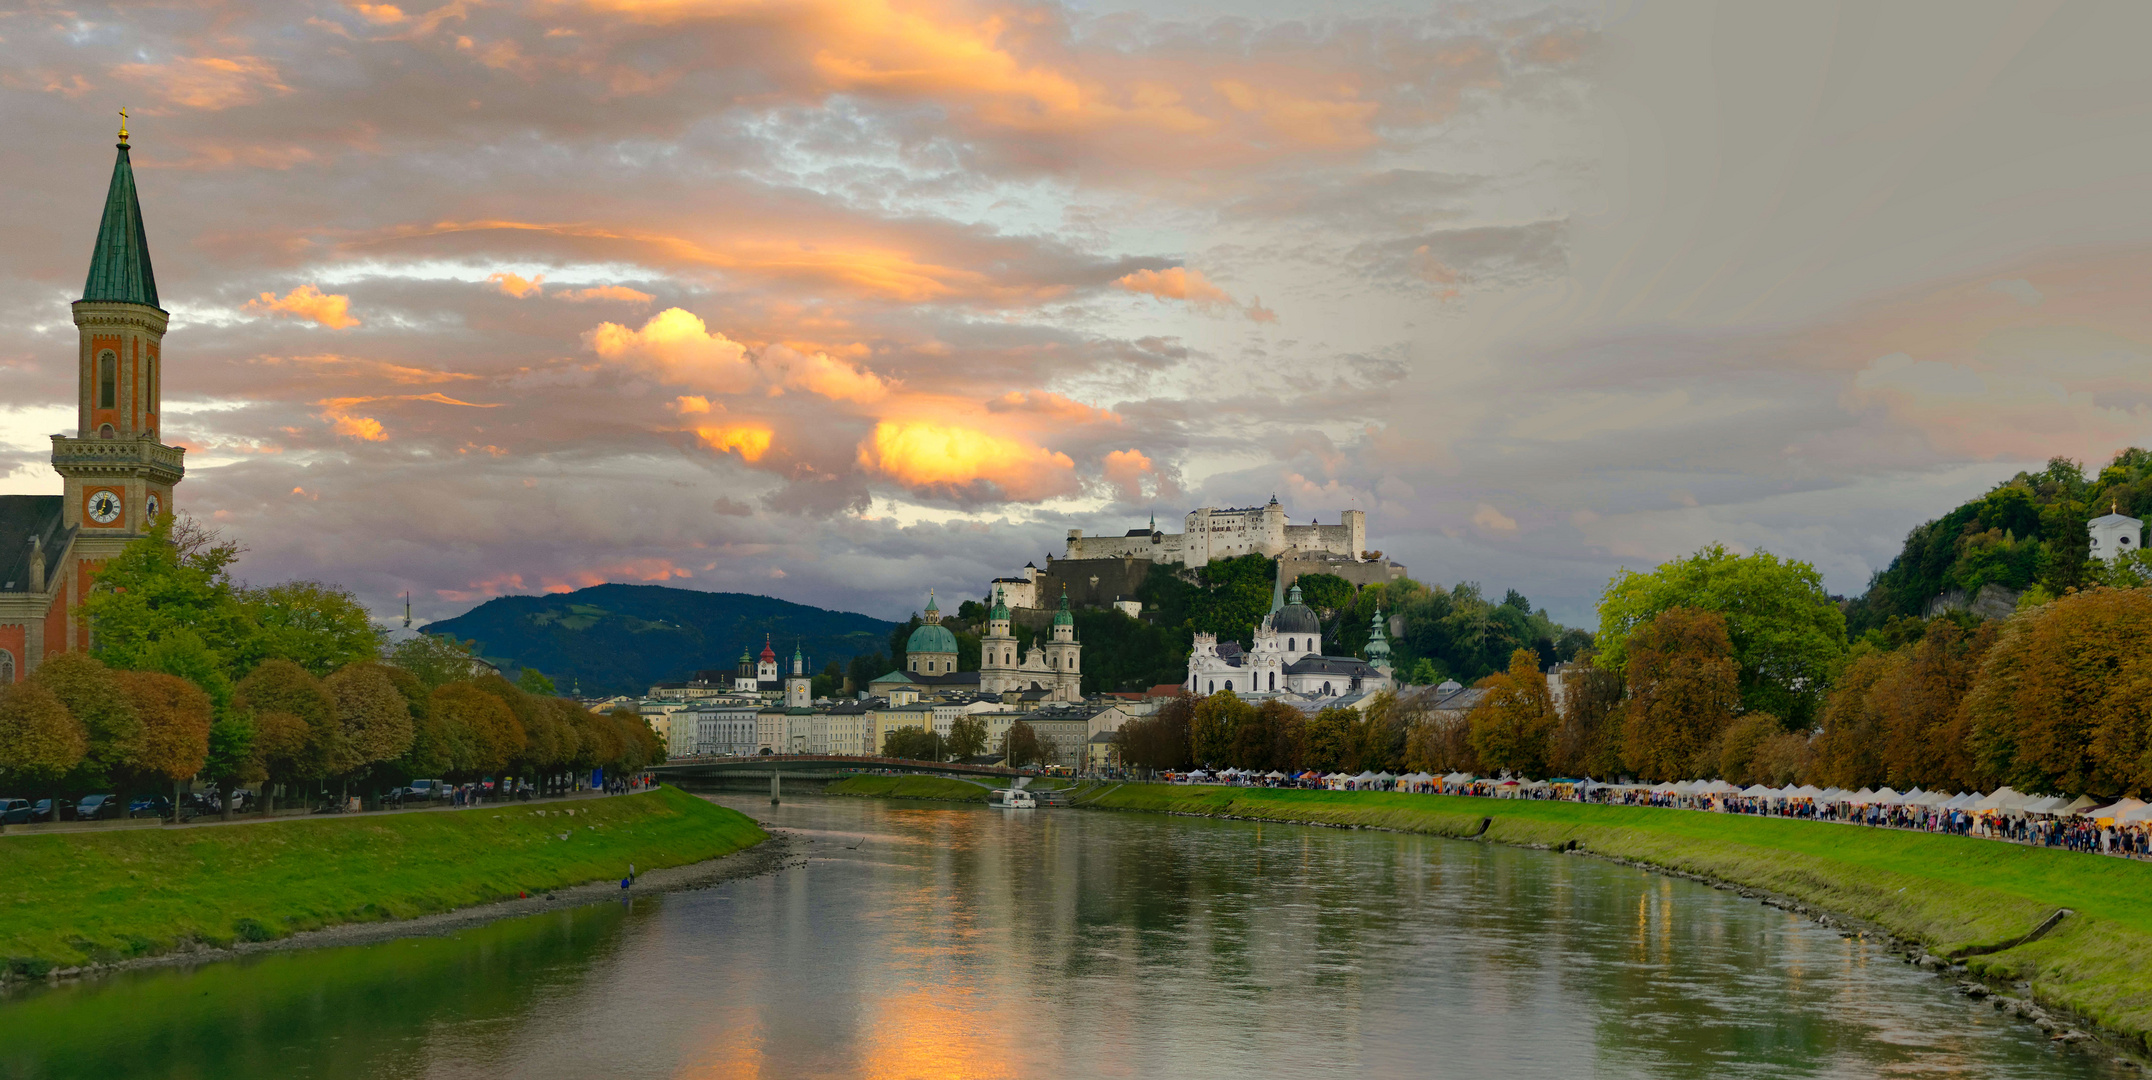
(619, 639)
(2028, 531)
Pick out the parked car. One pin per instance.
(426, 789)
(98, 808)
(14, 811)
(156, 806)
(43, 811)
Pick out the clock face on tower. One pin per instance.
(104, 507)
(153, 506)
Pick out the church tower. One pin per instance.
(997, 650)
(799, 689)
(1064, 657)
(118, 474)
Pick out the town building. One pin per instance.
(708, 728)
(1214, 533)
(116, 472)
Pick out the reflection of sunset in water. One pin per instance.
(917, 941)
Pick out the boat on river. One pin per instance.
(1012, 799)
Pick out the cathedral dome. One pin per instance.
(931, 638)
(1296, 617)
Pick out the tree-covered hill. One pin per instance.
(619, 639)
(2027, 531)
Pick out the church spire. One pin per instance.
(119, 265)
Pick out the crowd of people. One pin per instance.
(2110, 827)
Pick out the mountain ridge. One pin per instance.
(620, 638)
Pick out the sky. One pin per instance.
(843, 300)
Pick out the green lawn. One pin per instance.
(1953, 894)
(75, 897)
(909, 787)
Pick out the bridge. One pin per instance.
(817, 767)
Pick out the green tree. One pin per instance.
(174, 578)
(912, 743)
(1588, 740)
(533, 681)
(1683, 688)
(967, 737)
(296, 732)
(1328, 739)
(1214, 726)
(317, 626)
(91, 694)
(436, 659)
(1020, 746)
(1787, 634)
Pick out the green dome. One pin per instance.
(1062, 617)
(931, 638)
(1001, 607)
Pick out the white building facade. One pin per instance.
(1054, 665)
(1286, 657)
(1214, 533)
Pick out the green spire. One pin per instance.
(1378, 643)
(119, 266)
(1062, 617)
(1001, 606)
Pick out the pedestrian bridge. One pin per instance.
(815, 767)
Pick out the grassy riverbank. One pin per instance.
(909, 787)
(83, 897)
(1956, 896)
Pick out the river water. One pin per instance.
(922, 940)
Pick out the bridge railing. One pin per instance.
(862, 762)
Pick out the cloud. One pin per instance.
(332, 310)
(750, 441)
(1046, 403)
(677, 347)
(820, 373)
(691, 404)
(948, 459)
(1126, 470)
(606, 292)
(1487, 517)
(207, 82)
(356, 427)
(516, 286)
(1447, 261)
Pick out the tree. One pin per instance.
(1512, 727)
(1786, 633)
(2055, 708)
(1160, 741)
(435, 659)
(1326, 742)
(1212, 729)
(967, 737)
(176, 716)
(1587, 742)
(319, 627)
(231, 760)
(911, 742)
(91, 694)
(1683, 689)
(39, 741)
(296, 733)
(174, 578)
(533, 681)
(372, 715)
(1021, 746)
(474, 730)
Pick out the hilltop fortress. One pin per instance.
(1212, 533)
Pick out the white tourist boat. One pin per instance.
(1012, 799)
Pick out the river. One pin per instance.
(922, 940)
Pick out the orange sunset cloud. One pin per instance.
(926, 454)
(332, 310)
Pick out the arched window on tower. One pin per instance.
(1273, 680)
(1229, 686)
(108, 381)
(105, 432)
(1291, 644)
(7, 667)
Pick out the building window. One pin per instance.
(1229, 686)
(1273, 680)
(7, 667)
(1214, 686)
(1291, 644)
(1326, 689)
(108, 381)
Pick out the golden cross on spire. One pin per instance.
(123, 123)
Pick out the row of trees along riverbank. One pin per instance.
(194, 676)
(1739, 668)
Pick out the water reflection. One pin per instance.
(949, 941)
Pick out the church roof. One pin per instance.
(22, 517)
(1329, 665)
(931, 638)
(119, 265)
(1296, 617)
(2114, 519)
